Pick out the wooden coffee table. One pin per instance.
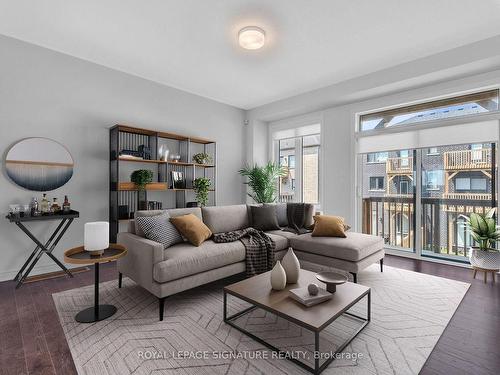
(257, 291)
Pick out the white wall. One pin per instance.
(48, 94)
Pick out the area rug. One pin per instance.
(409, 313)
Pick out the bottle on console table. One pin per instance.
(34, 208)
(44, 205)
(66, 207)
(55, 208)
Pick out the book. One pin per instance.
(302, 296)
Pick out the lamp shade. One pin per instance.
(96, 236)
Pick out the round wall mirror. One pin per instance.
(39, 164)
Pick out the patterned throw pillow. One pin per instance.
(158, 228)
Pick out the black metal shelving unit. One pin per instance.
(123, 196)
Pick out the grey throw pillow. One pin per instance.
(280, 213)
(264, 217)
(159, 229)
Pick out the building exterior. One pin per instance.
(456, 180)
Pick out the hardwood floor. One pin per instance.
(32, 340)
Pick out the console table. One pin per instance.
(65, 221)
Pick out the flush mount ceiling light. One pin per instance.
(251, 37)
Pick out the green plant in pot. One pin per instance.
(141, 178)
(484, 231)
(202, 158)
(263, 181)
(201, 186)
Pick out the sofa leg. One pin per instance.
(162, 306)
(120, 277)
(354, 277)
(382, 265)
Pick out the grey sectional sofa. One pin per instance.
(164, 272)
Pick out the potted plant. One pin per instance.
(141, 178)
(485, 232)
(263, 181)
(202, 158)
(201, 186)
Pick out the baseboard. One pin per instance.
(37, 271)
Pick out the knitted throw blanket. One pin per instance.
(258, 245)
(296, 215)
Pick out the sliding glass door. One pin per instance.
(456, 180)
(452, 181)
(389, 197)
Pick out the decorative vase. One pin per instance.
(291, 266)
(165, 154)
(485, 259)
(160, 153)
(278, 277)
(142, 200)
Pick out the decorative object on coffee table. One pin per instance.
(39, 164)
(307, 299)
(313, 289)
(331, 279)
(79, 255)
(96, 237)
(291, 266)
(278, 277)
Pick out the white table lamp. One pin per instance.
(96, 237)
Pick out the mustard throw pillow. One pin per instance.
(328, 226)
(192, 228)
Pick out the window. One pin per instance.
(432, 151)
(451, 186)
(476, 184)
(439, 109)
(301, 157)
(377, 183)
(433, 179)
(377, 157)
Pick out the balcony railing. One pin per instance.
(443, 232)
(399, 165)
(467, 159)
(467, 196)
(286, 197)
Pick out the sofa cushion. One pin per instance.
(280, 213)
(158, 228)
(172, 212)
(264, 218)
(280, 241)
(191, 227)
(225, 218)
(354, 247)
(328, 226)
(282, 233)
(184, 259)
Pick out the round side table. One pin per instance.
(78, 255)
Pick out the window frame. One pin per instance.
(383, 115)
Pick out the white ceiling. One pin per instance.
(192, 44)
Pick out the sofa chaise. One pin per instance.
(164, 272)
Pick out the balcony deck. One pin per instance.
(403, 166)
(467, 160)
